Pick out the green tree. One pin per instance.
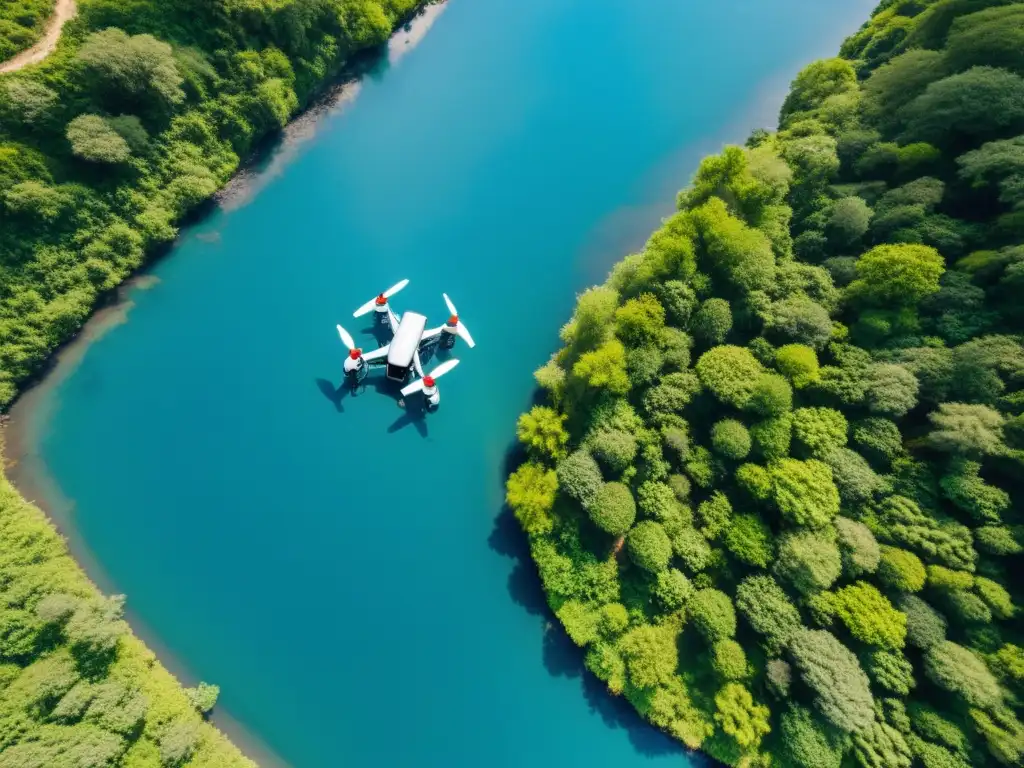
(530, 492)
(804, 492)
(772, 396)
(808, 742)
(730, 373)
(819, 430)
(896, 275)
(712, 322)
(203, 697)
(543, 433)
(966, 429)
(750, 540)
(857, 545)
(729, 660)
(604, 368)
(799, 319)
(832, 672)
(991, 36)
(881, 746)
(869, 616)
(138, 65)
(768, 610)
(649, 546)
(808, 560)
(955, 669)
(712, 614)
(817, 82)
(739, 717)
(799, 363)
(892, 671)
(978, 104)
(901, 571)
(613, 509)
(772, 436)
(672, 589)
(93, 139)
(890, 389)
(579, 476)
(715, 515)
(639, 321)
(849, 221)
(730, 439)
(650, 654)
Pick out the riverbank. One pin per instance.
(25, 476)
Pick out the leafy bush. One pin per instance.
(649, 546)
(613, 509)
(730, 439)
(712, 613)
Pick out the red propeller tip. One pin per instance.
(428, 381)
(381, 301)
(355, 354)
(453, 320)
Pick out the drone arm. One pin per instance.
(430, 334)
(377, 356)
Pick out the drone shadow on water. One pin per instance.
(413, 412)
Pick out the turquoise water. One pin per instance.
(342, 570)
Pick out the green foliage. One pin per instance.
(772, 436)
(869, 616)
(604, 368)
(957, 670)
(579, 476)
(530, 492)
(94, 139)
(878, 438)
(649, 546)
(799, 363)
(819, 430)
(901, 571)
(891, 671)
(881, 746)
(730, 374)
(804, 492)
(772, 396)
(729, 660)
(966, 429)
(808, 560)
(833, 674)
(712, 322)
(715, 515)
(749, 540)
(768, 610)
(730, 439)
(755, 480)
(613, 509)
(543, 433)
(739, 717)
(965, 488)
(672, 589)
(712, 614)
(860, 552)
(943, 543)
(896, 275)
(639, 321)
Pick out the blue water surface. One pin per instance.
(344, 571)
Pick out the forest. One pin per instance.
(142, 113)
(773, 484)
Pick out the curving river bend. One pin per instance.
(340, 569)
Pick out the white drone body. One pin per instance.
(401, 355)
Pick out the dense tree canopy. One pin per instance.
(827, 478)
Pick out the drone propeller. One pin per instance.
(457, 325)
(354, 352)
(427, 382)
(380, 300)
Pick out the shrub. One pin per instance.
(807, 742)
(856, 482)
(869, 616)
(891, 671)
(778, 677)
(715, 515)
(995, 596)
(901, 571)
(691, 548)
(649, 546)
(639, 321)
(93, 139)
(739, 717)
(879, 438)
(712, 613)
(613, 448)
(613, 509)
(798, 363)
(730, 439)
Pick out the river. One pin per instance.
(341, 569)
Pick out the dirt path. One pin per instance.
(64, 10)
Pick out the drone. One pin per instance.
(409, 337)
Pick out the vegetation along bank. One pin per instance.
(775, 491)
(144, 110)
(22, 23)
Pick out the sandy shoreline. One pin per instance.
(29, 417)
